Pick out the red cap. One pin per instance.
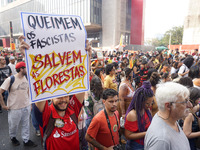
(20, 64)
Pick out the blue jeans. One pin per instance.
(82, 140)
(192, 144)
(132, 145)
(34, 121)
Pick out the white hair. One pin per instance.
(170, 92)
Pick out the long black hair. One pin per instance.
(189, 61)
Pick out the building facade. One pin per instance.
(105, 20)
(191, 32)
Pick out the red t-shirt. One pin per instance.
(133, 127)
(66, 137)
(99, 130)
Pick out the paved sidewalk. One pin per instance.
(5, 142)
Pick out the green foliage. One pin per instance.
(176, 37)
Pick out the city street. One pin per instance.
(5, 142)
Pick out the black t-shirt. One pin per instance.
(4, 73)
(7, 60)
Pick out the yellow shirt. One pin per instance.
(110, 61)
(110, 82)
(156, 61)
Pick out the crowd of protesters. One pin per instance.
(136, 76)
(143, 100)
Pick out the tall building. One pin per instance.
(191, 34)
(105, 20)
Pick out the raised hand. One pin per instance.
(22, 45)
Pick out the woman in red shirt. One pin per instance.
(138, 117)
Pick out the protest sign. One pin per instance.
(57, 63)
(99, 55)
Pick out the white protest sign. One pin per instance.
(57, 63)
(99, 55)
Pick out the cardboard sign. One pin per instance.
(99, 55)
(57, 63)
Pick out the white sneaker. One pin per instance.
(37, 133)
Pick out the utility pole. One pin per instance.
(170, 38)
(12, 43)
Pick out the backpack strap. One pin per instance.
(74, 118)
(12, 79)
(49, 129)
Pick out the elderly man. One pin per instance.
(164, 132)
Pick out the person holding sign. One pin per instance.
(98, 63)
(59, 120)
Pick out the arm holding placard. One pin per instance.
(101, 65)
(89, 50)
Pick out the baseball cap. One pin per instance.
(12, 58)
(20, 64)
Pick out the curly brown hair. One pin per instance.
(96, 87)
(154, 78)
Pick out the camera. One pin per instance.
(117, 147)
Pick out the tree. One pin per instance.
(176, 37)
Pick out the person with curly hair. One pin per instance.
(96, 90)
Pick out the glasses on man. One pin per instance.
(186, 101)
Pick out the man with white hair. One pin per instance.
(164, 132)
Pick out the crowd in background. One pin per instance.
(126, 72)
(135, 77)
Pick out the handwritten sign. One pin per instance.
(57, 63)
(100, 55)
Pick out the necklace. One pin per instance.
(175, 127)
(163, 117)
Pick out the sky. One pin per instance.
(162, 15)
